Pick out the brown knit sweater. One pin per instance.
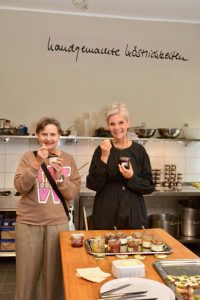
(39, 205)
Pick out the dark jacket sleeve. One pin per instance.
(142, 182)
(96, 178)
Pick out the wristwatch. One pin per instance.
(61, 178)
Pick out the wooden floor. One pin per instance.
(8, 277)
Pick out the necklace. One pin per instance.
(122, 147)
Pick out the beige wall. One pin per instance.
(35, 82)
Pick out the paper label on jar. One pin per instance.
(123, 248)
(146, 244)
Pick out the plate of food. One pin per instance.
(151, 288)
(182, 276)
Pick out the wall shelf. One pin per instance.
(73, 137)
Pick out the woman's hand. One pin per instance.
(126, 173)
(42, 153)
(105, 150)
(58, 168)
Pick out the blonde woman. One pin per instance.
(119, 187)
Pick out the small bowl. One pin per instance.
(191, 133)
(144, 132)
(66, 132)
(170, 133)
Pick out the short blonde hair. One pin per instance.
(118, 108)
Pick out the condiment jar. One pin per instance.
(52, 158)
(77, 240)
(137, 236)
(114, 246)
(157, 244)
(98, 244)
(146, 241)
(124, 161)
(109, 236)
(119, 235)
(133, 245)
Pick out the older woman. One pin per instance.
(119, 188)
(41, 216)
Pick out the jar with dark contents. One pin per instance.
(124, 161)
(109, 236)
(77, 240)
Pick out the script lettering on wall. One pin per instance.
(127, 51)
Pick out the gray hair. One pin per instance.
(118, 108)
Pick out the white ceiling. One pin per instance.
(166, 10)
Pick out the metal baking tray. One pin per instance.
(177, 267)
(166, 250)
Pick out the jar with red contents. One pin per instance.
(77, 240)
(113, 246)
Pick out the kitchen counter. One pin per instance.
(186, 190)
(86, 200)
(86, 196)
(73, 258)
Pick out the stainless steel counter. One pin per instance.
(9, 203)
(84, 203)
(186, 190)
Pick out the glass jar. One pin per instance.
(98, 244)
(137, 236)
(120, 235)
(114, 246)
(146, 241)
(124, 161)
(109, 236)
(133, 245)
(77, 240)
(157, 244)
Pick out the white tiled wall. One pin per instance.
(186, 156)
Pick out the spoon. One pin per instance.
(116, 231)
(144, 229)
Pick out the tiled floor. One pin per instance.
(7, 278)
(7, 273)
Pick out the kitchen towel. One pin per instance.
(92, 274)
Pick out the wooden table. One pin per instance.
(80, 289)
